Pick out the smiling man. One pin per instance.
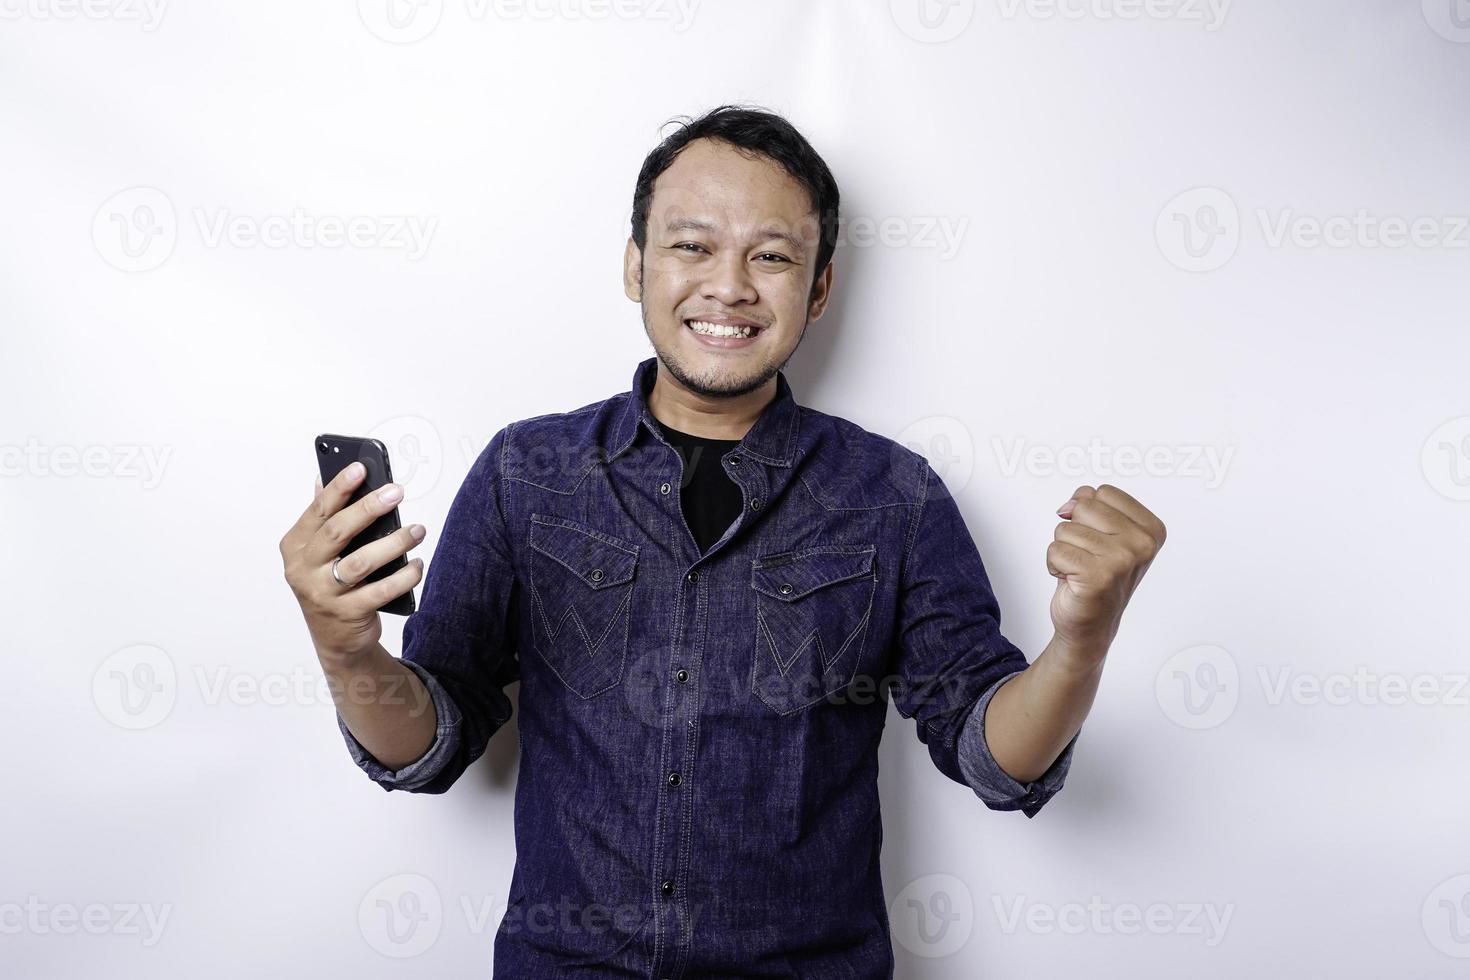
(709, 593)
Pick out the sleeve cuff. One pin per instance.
(433, 761)
(992, 784)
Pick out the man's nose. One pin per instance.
(729, 281)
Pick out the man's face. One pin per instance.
(732, 241)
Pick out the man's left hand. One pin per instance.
(1102, 549)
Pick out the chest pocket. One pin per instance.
(812, 612)
(581, 585)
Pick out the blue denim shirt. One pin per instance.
(698, 794)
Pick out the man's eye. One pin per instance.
(687, 246)
(773, 255)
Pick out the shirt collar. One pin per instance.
(772, 439)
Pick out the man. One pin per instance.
(708, 593)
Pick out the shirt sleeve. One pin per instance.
(458, 641)
(419, 772)
(951, 656)
(995, 787)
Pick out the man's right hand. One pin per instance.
(343, 620)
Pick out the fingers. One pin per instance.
(334, 495)
(1111, 510)
(1090, 540)
(344, 524)
(314, 515)
(1064, 558)
(1140, 515)
(1091, 511)
(1081, 493)
(1109, 523)
(365, 560)
(368, 598)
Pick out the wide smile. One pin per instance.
(720, 335)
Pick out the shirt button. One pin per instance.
(664, 487)
(667, 888)
(693, 576)
(755, 504)
(786, 588)
(735, 460)
(675, 779)
(681, 675)
(596, 575)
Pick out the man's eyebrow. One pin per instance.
(695, 224)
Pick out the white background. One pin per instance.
(1279, 735)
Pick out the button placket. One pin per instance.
(674, 804)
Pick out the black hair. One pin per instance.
(755, 131)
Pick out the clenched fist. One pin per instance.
(1102, 548)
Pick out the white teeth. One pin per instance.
(718, 329)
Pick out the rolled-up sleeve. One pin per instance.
(995, 787)
(950, 653)
(423, 769)
(459, 641)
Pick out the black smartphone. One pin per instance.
(334, 454)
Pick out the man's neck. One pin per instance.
(710, 418)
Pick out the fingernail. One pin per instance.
(1061, 511)
(416, 532)
(390, 494)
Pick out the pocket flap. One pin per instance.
(595, 558)
(792, 575)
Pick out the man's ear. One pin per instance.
(821, 292)
(633, 271)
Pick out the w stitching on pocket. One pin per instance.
(796, 586)
(581, 584)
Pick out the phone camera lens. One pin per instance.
(322, 447)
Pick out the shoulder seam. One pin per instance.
(918, 515)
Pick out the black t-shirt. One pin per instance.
(710, 499)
